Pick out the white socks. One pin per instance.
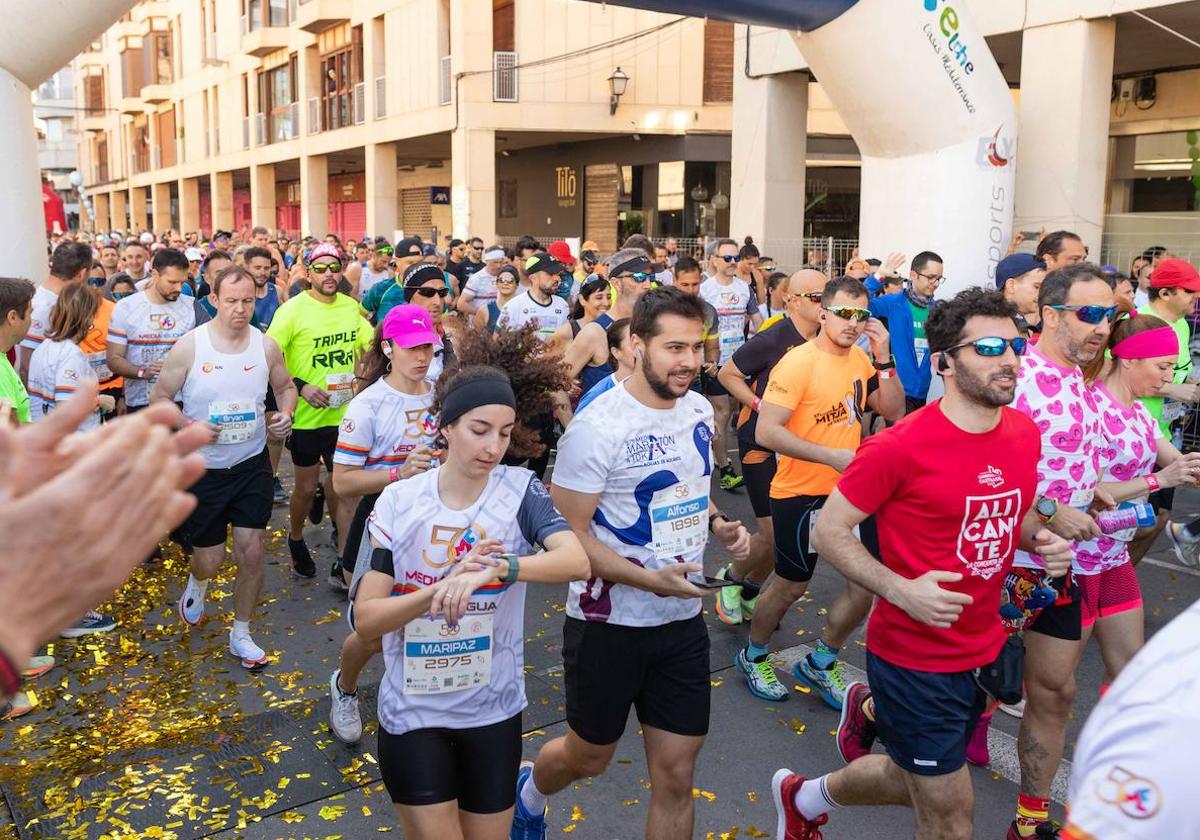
(198, 587)
(241, 630)
(813, 799)
(532, 798)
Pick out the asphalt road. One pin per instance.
(154, 730)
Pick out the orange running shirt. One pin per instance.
(826, 394)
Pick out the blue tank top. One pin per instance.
(493, 315)
(264, 307)
(591, 375)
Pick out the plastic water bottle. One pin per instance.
(1127, 515)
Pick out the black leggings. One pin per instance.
(358, 530)
(477, 767)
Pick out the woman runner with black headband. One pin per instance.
(452, 550)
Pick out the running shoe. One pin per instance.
(280, 495)
(760, 678)
(791, 824)
(748, 605)
(251, 655)
(16, 706)
(1016, 710)
(829, 682)
(316, 511)
(729, 600)
(1186, 551)
(333, 538)
(977, 747)
(526, 826)
(37, 666)
(1048, 830)
(856, 733)
(344, 719)
(729, 479)
(191, 604)
(92, 622)
(336, 577)
(302, 562)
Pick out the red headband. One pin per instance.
(1148, 344)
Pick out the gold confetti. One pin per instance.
(803, 689)
(567, 829)
(752, 796)
(707, 794)
(366, 812)
(332, 812)
(756, 832)
(291, 817)
(629, 802)
(577, 814)
(329, 617)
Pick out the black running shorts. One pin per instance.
(758, 468)
(241, 496)
(311, 446)
(475, 767)
(660, 671)
(793, 519)
(1064, 618)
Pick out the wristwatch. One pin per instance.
(890, 364)
(1046, 509)
(712, 519)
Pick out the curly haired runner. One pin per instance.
(451, 551)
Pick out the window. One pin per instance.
(166, 138)
(102, 158)
(54, 131)
(340, 72)
(277, 11)
(93, 96)
(253, 10)
(160, 64)
(132, 67)
(277, 92)
(503, 26)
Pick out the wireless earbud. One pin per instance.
(943, 365)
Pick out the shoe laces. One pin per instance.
(837, 675)
(765, 671)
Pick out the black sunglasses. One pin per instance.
(425, 291)
(994, 345)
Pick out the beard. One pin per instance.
(983, 391)
(662, 386)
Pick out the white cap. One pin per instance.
(194, 255)
(147, 237)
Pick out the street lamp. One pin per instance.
(617, 83)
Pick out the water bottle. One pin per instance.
(1127, 515)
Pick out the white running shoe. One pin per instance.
(344, 718)
(1186, 551)
(251, 655)
(1016, 710)
(191, 603)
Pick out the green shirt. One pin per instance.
(320, 343)
(1166, 411)
(374, 298)
(12, 390)
(920, 342)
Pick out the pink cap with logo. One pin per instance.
(325, 250)
(409, 325)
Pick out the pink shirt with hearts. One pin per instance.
(1129, 450)
(1066, 413)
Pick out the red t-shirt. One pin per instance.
(950, 500)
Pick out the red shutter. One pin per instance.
(287, 218)
(241, 209)
(206, 211)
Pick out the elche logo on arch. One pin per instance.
(947, 24)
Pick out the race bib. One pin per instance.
(1082, 499)
(236, 420)
(679, 519)
(439, 658)
(99, 365)
(1172, 410)
(340, 387)
(812, 524)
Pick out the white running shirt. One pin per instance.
(382, 426)
(369, 278)
(148, 330)
(56, 369)
(43, 301)
(652, 469)
(731, 303)
(425, 538)
(1133, 775)
(546, 318)
(482, 286)
(229, 391)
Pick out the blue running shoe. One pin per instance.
(829, 682)
(526, 826)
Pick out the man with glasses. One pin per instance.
(733, 300)
(470, 261)
(321, 333)
(950, 490)
(811, 415)
(745, 376)
(1077, 308)
(905, 313)
(378, 265)
(387, 293)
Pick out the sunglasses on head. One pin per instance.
(729, 258)
(1088, 314)
(386, 250)
(321, 268)
(853, 314)
(428, 292)
(994, 345)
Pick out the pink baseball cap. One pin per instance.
(325, 250)
(409, 325)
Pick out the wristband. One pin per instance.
(299, 383)
(757, 402)
(886, 373)
(394, 474)
(514, 568)
(1152, 482)
(10, 679)
(141, 373)
(714, 518)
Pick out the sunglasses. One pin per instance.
(815, 297)
(638, 277)
(767, 267)
(850, 313)
(1088, 314)
(321, 268)
(994, 345)
(96, 281)
(119, 295)
(386, 250)
(425, 291)
(728, 258)
(506, 278)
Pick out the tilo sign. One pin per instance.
(566, 186)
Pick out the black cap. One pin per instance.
(428, 250)
(590, 256)
(409, 246)
(222, 234)
(638, 264)
(542, 261)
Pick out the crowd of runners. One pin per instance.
(984, 471)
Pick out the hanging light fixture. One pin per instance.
(699, 194)
(617, 83)
(720, 201)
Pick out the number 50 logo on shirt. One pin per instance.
(990, 528)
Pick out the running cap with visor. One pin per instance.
(325, 251)
(409, 325)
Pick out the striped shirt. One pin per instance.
(148, 331)
(382, 426)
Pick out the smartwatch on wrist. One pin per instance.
(1046, 509)
(514, 568)
(890, 364)
(1152, 482)
(712, 519)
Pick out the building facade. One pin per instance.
(434, 117)
(58, 143)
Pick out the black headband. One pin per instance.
(471, 395)
(416, 276)
(635, 265)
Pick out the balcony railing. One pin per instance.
(445, 91)
(314, 115)
(291, 129)
(245, 132)
(260, 129)
(504, 77)
(155, 158)
(360, 103)
(381, 97)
